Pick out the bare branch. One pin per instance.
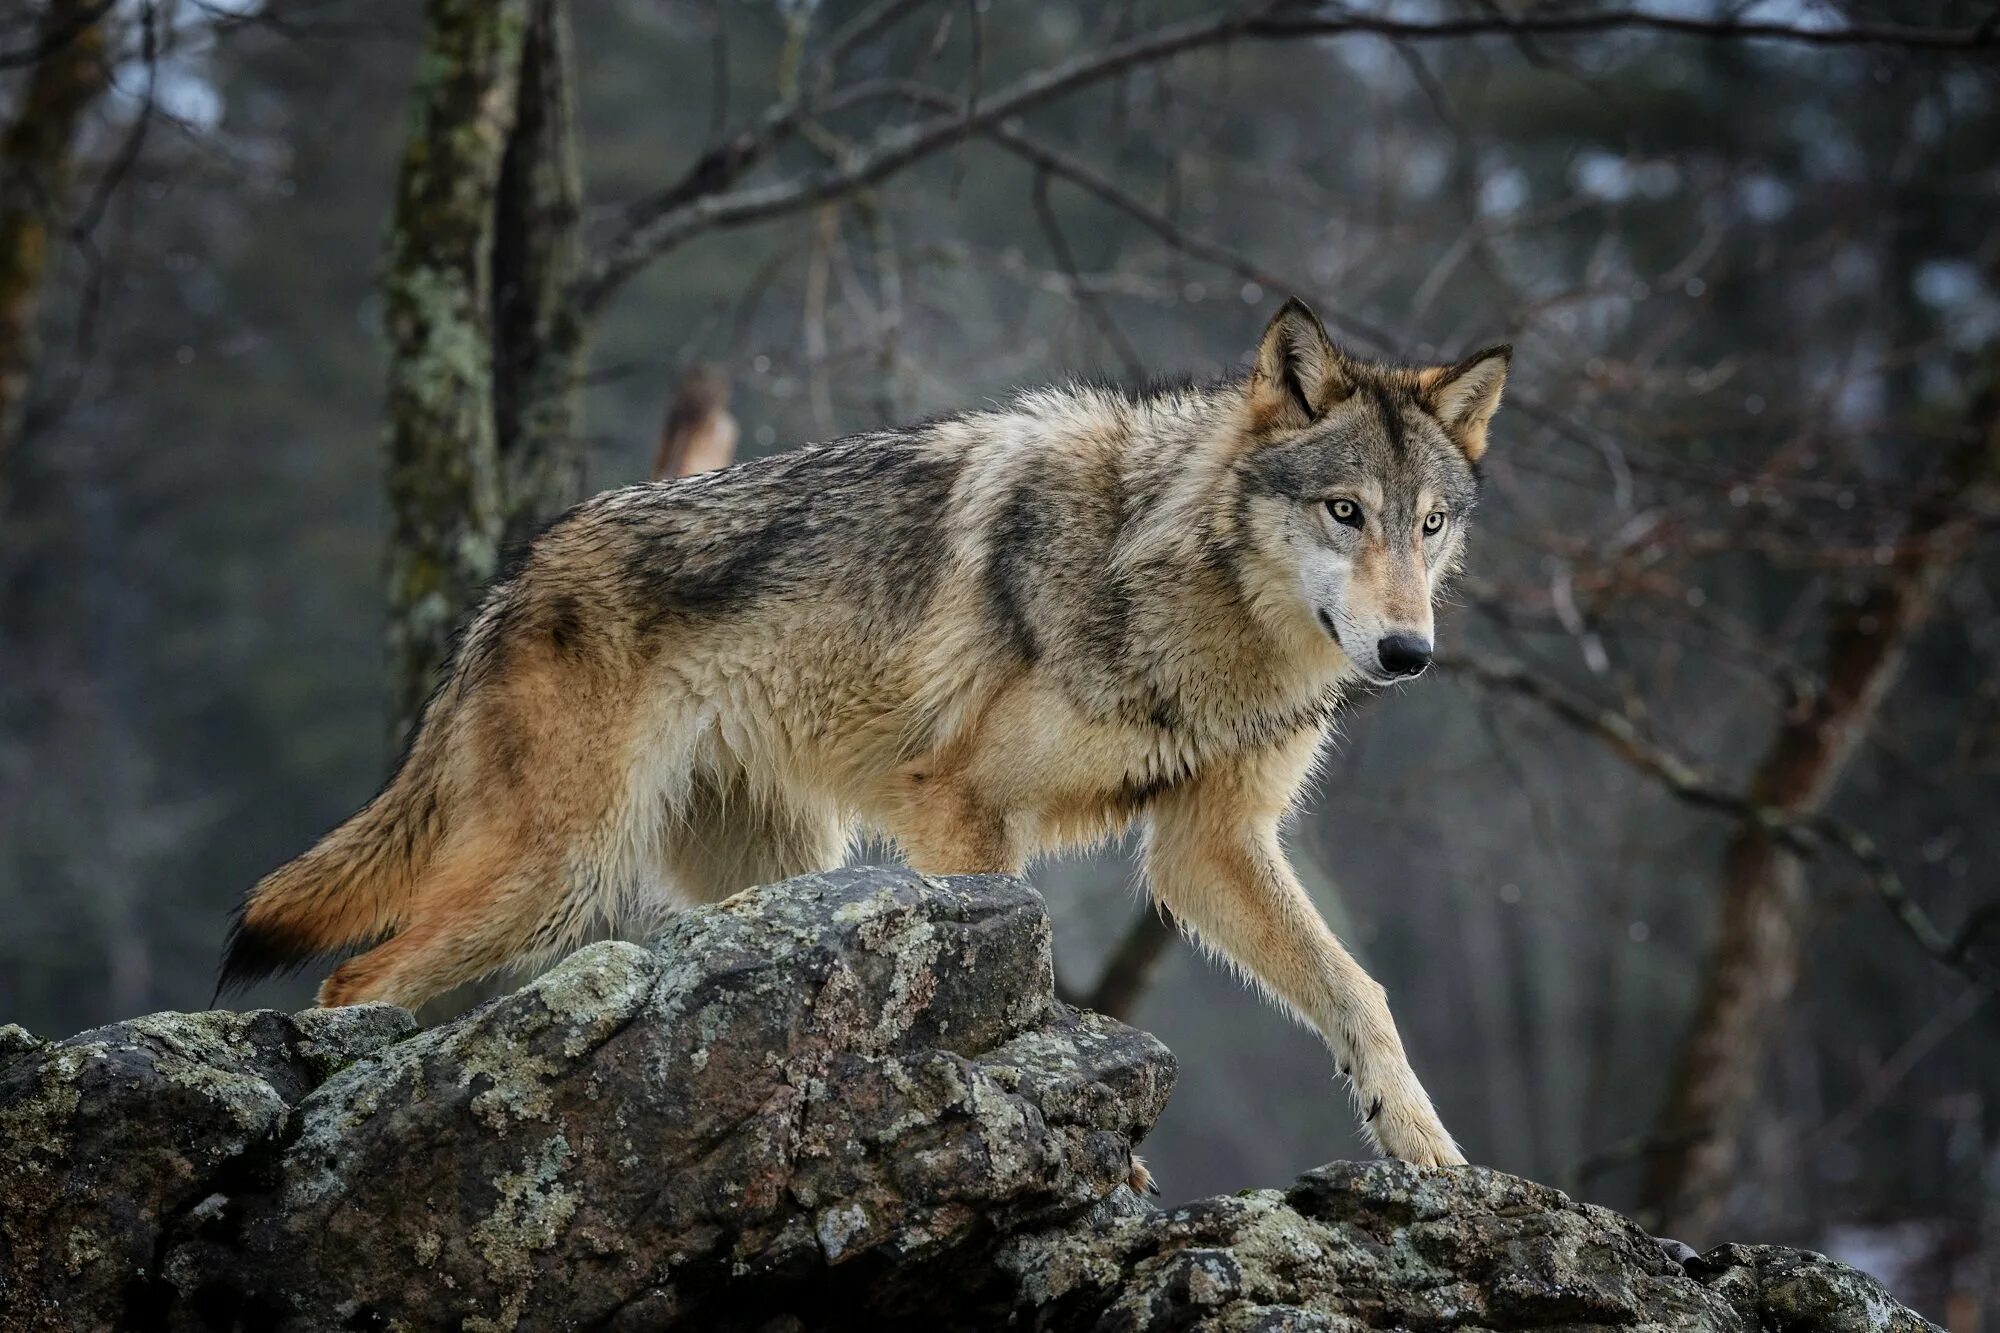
(1981, 36)
(1804, 833)
(695, 204)
(1055, 162)
(871, 22)
(1086, 300)
(688, 212)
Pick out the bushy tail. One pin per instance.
(354, 885)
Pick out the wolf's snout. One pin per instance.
(1403, 654)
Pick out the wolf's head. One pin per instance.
(1358, 483)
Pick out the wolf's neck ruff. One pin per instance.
(985, 638)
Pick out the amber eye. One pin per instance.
(1345, 511)
(1434, 523)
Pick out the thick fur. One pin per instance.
(987, 637)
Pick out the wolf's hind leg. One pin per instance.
(725, 837)
(483, 904)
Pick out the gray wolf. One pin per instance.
(988, 637)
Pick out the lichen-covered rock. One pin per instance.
(846, 1102)
(1385, 1245)
(15, 1039)
(857, 1071)
(1790, 1290)
(108, 1137)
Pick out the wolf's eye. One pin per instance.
(1434, 523)
(1345, 511)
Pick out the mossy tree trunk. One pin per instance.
(482, 416)
(537, 341)
(35, 160)
(1753, 961)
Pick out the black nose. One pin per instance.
(1403, 654)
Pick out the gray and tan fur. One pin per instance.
(986, 638)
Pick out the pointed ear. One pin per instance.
(1464, 397)
(1298, 374)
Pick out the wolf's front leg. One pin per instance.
(1213, 858)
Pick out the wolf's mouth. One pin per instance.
(1333, 632)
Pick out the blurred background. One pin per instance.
(1679, 871)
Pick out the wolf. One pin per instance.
(992, 636)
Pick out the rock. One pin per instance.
(15, 1039)
(1779, 1288)
(1380, 1245)
(846, 1102)
(861, 1072)
(109, 1136)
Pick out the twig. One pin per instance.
(718, 78)
(878, 18)
(1898, 1067)
(1804, 833)
(1085, 299)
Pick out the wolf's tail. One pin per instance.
(355, 884)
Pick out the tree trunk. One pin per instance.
(1754, 959)
(537, 345)
(444, 471)
(34, 184)
(483, 438)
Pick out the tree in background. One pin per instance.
(68, 58)
(483, 368)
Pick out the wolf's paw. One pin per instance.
(1412, 1132)
(1141, 1180)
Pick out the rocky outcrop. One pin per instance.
(112, 1138)
(1385, 1245)
(849, 1101)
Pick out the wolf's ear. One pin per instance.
(1464, 397)
(1298, 374)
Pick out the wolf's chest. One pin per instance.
(1168, 750)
